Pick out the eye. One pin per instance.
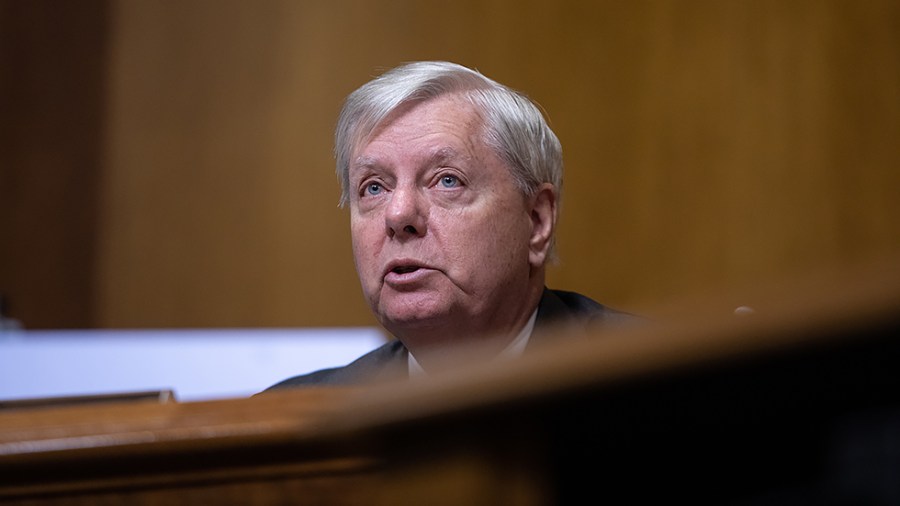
(374, 188)
(449, 181)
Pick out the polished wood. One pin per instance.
(220, 451)
(159, 396)
(795, 403)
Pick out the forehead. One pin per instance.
(447, 123)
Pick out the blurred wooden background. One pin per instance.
(168, 164)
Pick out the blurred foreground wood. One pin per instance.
(798, 402)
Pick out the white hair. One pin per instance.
(513, 125)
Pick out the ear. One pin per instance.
(543, 223)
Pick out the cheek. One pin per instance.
(505, 247)
(512, 238)
(491, 242)
(364, 248)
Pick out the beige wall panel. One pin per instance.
(708, 144)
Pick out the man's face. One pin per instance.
(440, 230)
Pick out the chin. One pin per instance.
(418, 318)
(414, 320)
(416, 306)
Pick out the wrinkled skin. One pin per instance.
(447, 247)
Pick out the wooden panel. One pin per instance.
(721, 144)
(52, 103)
(708, 145)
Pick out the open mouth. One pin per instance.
(403, 269)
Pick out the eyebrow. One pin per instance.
(437, 156)
(441, 155)
(364, 162)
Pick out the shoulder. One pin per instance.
(383, 363)
(560, 306)
(563, 314)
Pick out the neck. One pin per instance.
(464, 338)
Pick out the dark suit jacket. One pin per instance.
(390, 362)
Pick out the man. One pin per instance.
(453, 183)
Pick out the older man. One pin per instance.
(453, 182)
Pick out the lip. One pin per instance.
(405, 271)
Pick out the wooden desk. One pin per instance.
(799, 403)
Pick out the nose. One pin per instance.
(406, 216)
